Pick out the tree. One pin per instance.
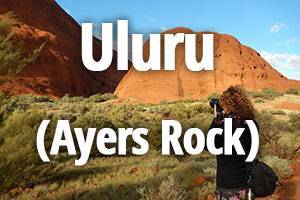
(13, 58)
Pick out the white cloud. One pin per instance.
(285, 60)
(277, 27)
(291, 41)
(288, 64)
(287, 42)
(149, 18)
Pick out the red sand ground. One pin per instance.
(288, 106)
(235, 64)
(58, 70)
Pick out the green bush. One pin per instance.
(289, 141)
(293, 91)
(97, 98)
(259, 100)
(21, 166)
(95, 120)
(265, 94)
(280, 165)
(13, 57)
(201, 107)
(294, 119)
(20, 163)
(167, 190)
(274, 133)
(69, 99)
(121, 114)
(19, 103)
(277, 112)
(201, 193)
(154, 135)
(178, 111)
(265, 120)
(282, 125)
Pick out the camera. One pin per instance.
(218, 110)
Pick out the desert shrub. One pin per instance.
(265, 120)
(288, 139)
(3, 98)
(69, 99)
(169, 102)
(164, 111)
(154, 109)
(183, 111)
(13, 57)
(95, 120)
(276, 149)
(30, 99)
(202, 193)
(167, 190)
(290, 143)
(210, 173)
(201, 164)
(293, 91)
(271, 131)
(213, 96)
(294, 120)
(259, 101)
(254, 94)
(178, 111)
(266, 94)
(280, 165)
(269, 124)
(97, 98)
(282, 125)
(20, 163)
(164, 102)
(7, 22)
(198, 121)
(121, 114)
(277, 112)
(201, 107)
(185, 101)
(154, 133)
(19, 103)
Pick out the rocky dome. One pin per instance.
(234, 64)
(59, 69)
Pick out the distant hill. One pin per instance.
(235, 64)
(59, 69)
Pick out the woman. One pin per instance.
(232, 170)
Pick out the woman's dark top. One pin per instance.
(232, 170)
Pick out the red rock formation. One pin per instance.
(59, 69)
(235, 64)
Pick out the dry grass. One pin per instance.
(124, 177)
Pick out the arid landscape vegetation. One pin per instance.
(153, 176)
(42, 77)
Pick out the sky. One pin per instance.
(272, 27)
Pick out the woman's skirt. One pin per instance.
(234, 194)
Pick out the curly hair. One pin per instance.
(237, 102)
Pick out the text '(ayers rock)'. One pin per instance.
(234, 64)
(59, 69)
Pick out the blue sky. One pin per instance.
(270, 27)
